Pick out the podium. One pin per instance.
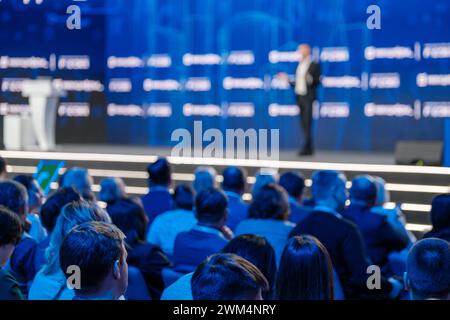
(43, 101)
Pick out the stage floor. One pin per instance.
(287, 155)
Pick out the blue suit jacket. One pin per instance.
(379, 236)
(157, 201)
(237, 210)
(194, 246)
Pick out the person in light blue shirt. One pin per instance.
(268, 217)
(168, 225)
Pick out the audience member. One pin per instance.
(263, 177)
(260, 253)
(208, 236)
(440, 217)
(268, 214)
(50, 282)
(395, 216)
(35, 200)
(252, 248)
(158, 200)
(305, 272)
(98, 249)
(204, 179)
(14, 196)
(379, 236)
(341, 238)
(49, 214)
(294, 184)
(234, 185)
(10, 235)
(131, 219)
(168, 225)
(228, 277)
(427, 275)
(80, 180)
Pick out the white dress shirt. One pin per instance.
(301, 87)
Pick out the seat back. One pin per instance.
(137, 288)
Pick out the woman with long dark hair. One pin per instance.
(305, 272)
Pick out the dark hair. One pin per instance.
(440, 211)
(305, 271)
(324, 183)
(428, 267)
(14, 196)
(10, 227)
(234, 179)
(159, 172)
(183, 197)
(226, 276)
(270, 202)
(211, 205)
(293, 183)
(129, 216)
(52, 207)
(257, 250)
(93, 247)
(364, 189)
(2, 165)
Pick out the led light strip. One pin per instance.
(281, 164)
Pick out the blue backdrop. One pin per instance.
(165, 63)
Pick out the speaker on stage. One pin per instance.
(427, 153)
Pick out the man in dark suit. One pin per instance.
(307, 79)
(342, 238)
(210, 234)
(379, 236)
(234, 185)
(158, 200)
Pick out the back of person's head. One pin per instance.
(428, 270)
(34, 190)
(257, 250)
(205, 178)
(72, 214)
(234, 180)
(81, 181)
(10, 233)
(159, 173)
(293, 183)
(211, 207)
(227, 276)
(383, 195)
(129, 216)
(14, 196)
(51, 209)
(305, 271)
(2, 168)
(440, 212)
(271, 202)
(263, 178)
(98, 249)
(183, 197)
(363, 190)
(112, 190)
(328, 187)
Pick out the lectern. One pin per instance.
(43, 101)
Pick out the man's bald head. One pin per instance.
(305, 50)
